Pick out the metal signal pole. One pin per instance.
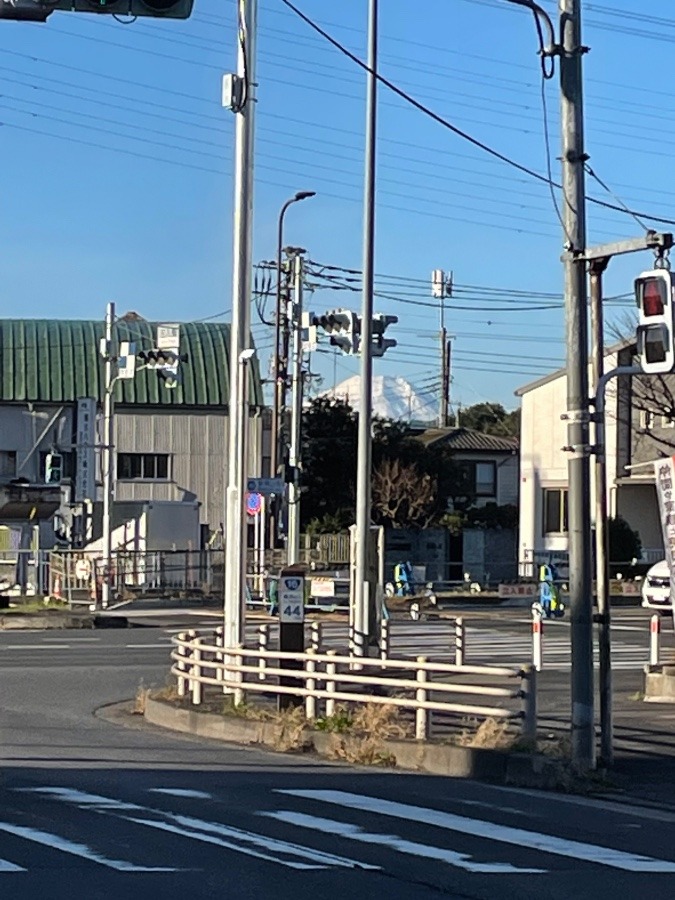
(235, 521)
(580, 538)
(364, 604)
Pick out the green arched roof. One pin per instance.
(58, 360)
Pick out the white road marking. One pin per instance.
(159, 644)
(36, 647)
(82, 799)
(394, 842)
(55, 842)
(77, 640)
(547, 843)
(198, 829)
(182, 792)
(6, 866)
(212, 839)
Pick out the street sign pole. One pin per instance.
(291, 627)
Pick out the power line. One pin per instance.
(421, 107)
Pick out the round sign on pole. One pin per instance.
(82, 569)
(253, 503)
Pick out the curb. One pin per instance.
(494, 766)
(37, 622)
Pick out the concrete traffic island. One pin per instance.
(58, 619)
(660, 683)
(289, 732)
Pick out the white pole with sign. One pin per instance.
(664, 474)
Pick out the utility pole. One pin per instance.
(295, 445)
(574, 223)
(442, 288)
(280, 360)
(364, 603)
(445, 380)
(107, 453)
(242, 102)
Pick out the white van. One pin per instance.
(656, 587)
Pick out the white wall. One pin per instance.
(543, 462)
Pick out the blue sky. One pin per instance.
(118, 169)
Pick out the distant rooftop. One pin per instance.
(58, 361)
(469, 440)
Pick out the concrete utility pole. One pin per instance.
(108, 453)
(579, 517)
(280, 361)
(235, 528)
(295, 447)
(364, 604)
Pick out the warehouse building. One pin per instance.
(170, 443)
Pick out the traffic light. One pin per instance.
(53, 468)
(346, 330)
(380, 324)
(166, 363)
(37, 11)
(656, 325)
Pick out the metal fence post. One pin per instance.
(180, 679)
(654, 638)
(239, 694)
(537, 639)
(190, 636)
(310, 684)
(331, 669)
(219, 641)
(528, 690)
(263, 643)
(421, 717)
(315, 637)
(460, 636)
(385, 640)
(196, 670)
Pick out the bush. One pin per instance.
(624, 543)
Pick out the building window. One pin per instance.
(7, 463)
(143, 466)
(555, 510)
(485, 479)
(67, 465)
(646, 419)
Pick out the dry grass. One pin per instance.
(490, 734)
(169, 692)
(293, 733)
(140, 700)
(370, 725)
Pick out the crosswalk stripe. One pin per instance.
(56, 842)
(6, 866)
(546, 843)
(201, 830)
(394, 842)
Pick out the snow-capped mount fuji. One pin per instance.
(393, 398)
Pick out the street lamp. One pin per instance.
(278, 387)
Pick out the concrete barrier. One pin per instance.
(660, 684)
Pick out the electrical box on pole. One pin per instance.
(656, 325)
(37, 11)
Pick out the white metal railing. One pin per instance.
(331, 678)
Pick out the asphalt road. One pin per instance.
(102, 805)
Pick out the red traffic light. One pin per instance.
(653, 299)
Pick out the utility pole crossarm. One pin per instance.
(653, 240)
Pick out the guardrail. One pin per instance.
(324, 679)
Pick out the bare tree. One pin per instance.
(402, 495)
(650, 411)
